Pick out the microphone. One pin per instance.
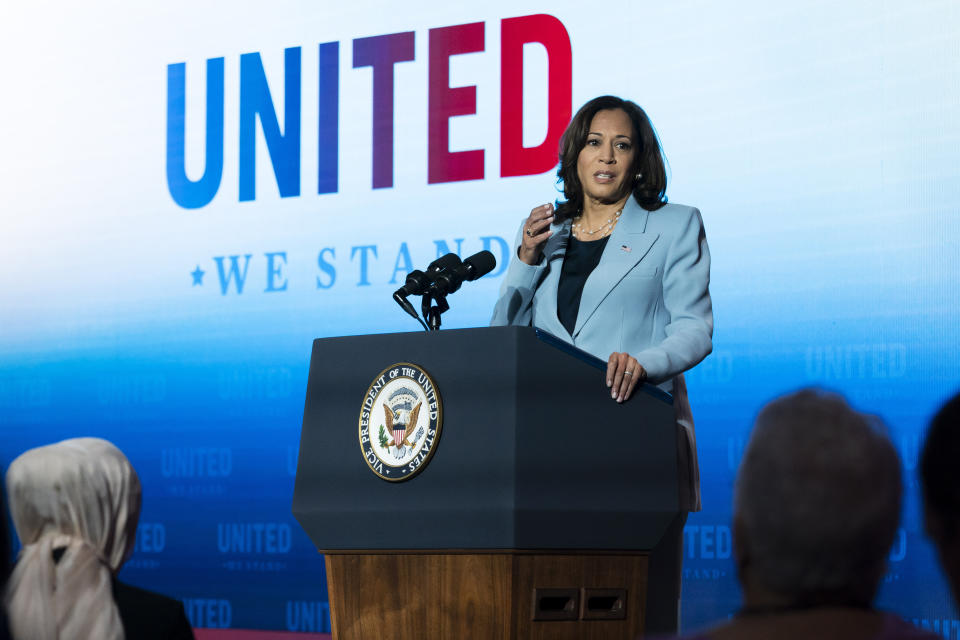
(442, 277)
(416, 285)
(449, 280)
(479, 265)
(442, 264)
(418, 282)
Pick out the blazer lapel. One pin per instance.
(628, 245)
(554, 251)
(556, 246)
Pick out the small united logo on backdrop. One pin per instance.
(400, 422)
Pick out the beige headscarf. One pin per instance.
(82, 495)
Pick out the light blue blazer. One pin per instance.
(648, 296)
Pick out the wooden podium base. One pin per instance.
(514, 594)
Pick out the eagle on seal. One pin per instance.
(399, 430)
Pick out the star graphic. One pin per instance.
(197, 276)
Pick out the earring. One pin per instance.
(639, 176)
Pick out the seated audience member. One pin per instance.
(816, 507)
(940, 478)
(75, 506)
(4, 542)
(4, 565)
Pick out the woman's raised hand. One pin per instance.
(536, 230)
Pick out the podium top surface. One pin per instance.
(597, 363)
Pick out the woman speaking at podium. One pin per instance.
(617, 271)
(614, 269)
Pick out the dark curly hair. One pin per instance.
(649, 191)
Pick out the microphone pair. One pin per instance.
(445, 275)
(442, 277)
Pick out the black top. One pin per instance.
(146, 615)
(579, 262)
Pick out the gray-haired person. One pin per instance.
(940, 478)
(816, 507)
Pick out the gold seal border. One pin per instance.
(436, 440)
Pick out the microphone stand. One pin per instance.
(406, 306)
(443, 277)
(431, 312)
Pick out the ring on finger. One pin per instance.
(628, 373)
(528, 232)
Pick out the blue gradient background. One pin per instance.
(821, 143)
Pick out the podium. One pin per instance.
(544, 512)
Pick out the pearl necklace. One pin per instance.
(606, 227)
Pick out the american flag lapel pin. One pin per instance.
(625, 248)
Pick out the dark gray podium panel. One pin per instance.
(533, 453)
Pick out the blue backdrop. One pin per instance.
(192, 193)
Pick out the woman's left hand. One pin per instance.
(623, 374)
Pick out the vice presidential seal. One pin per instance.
(400, 421)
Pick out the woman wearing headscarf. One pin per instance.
(75, 506)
